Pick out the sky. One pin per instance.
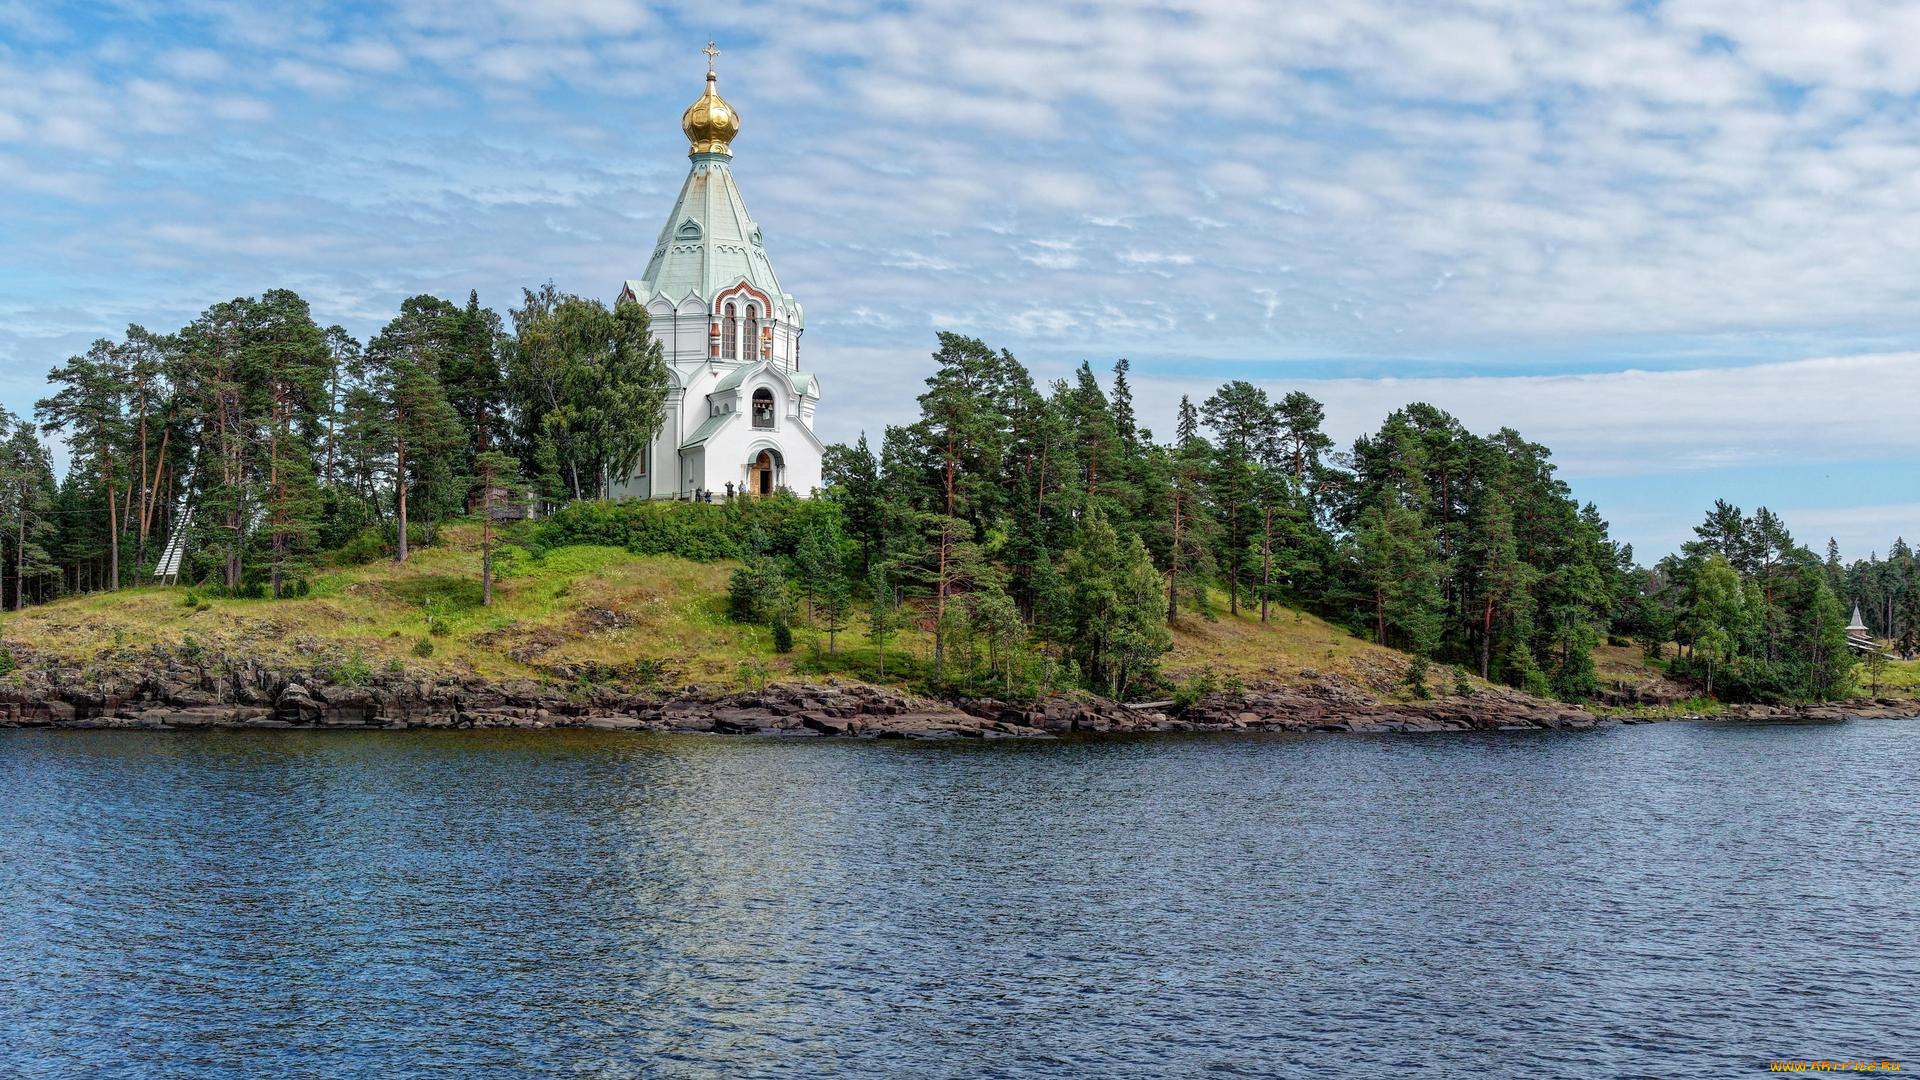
(1678, 242)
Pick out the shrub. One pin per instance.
(423, 648)
(353, 670)
(1417, 676)
(752, 674)
(1461, 687)
(757, 592)
(782, 636)
(191, 600)
(252, 590)
(6, 661)
(368, 544)
(1194, 690)
(690, 530)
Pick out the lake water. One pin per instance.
(1671, 900)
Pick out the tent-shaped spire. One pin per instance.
(1856, 628)
(709, 242)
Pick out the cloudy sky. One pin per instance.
(1678, 241)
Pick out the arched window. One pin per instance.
(752, 349)
(729, 331)
(763, 408)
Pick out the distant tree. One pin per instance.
(589, 387)
(1716, 613)
(835, 610)
(852, 477)
(881, 616)
(1876, 665)
(421, 428)
(1119, 632)
(1242, 420)
(26, 492)
(90, 407)
(495, 470)
(1190, 552)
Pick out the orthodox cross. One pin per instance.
(711, 53)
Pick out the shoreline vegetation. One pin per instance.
(418, 525)
(584, 637)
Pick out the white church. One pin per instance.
(739, 413)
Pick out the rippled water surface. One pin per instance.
(1674, 900)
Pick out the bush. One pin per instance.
(757, 592)
(191, 600)
(368, 544)
(6, 661)
(252, 590)
(353, 670)
(690, 530)
(423, 648)
(782, 636)
(1417, 676)
(1194, 690)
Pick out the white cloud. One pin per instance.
(1694, 182)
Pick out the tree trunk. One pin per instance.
(1266, 560)
(400, 493)
(1233, 557)
(1173, 565)
(20, 556)
(486, 545)
(113, 528)
(1486, 638)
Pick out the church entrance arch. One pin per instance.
(764, 471)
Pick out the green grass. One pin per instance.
(602, 608)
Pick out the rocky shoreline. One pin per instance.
(171, 691)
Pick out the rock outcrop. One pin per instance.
(182, 690)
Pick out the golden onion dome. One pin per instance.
(710, 123)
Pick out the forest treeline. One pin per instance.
(1039, 532)
(289, 440)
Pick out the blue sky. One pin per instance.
(1678, 242)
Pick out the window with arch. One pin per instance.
(763, 408)
(751, 351)
(729, 332)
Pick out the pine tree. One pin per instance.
(495, 471)
(835, 610)
(852, 476)
(26, 492)
(420, 425)
(1118, 630)
(91, 407)
(1242, 421)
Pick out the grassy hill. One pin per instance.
(602, 610)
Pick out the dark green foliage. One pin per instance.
(423, 648)
(590, 388)
(1754, 615)
(700, 531)
(1416, 679)
(757, 592)
(782, 635)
